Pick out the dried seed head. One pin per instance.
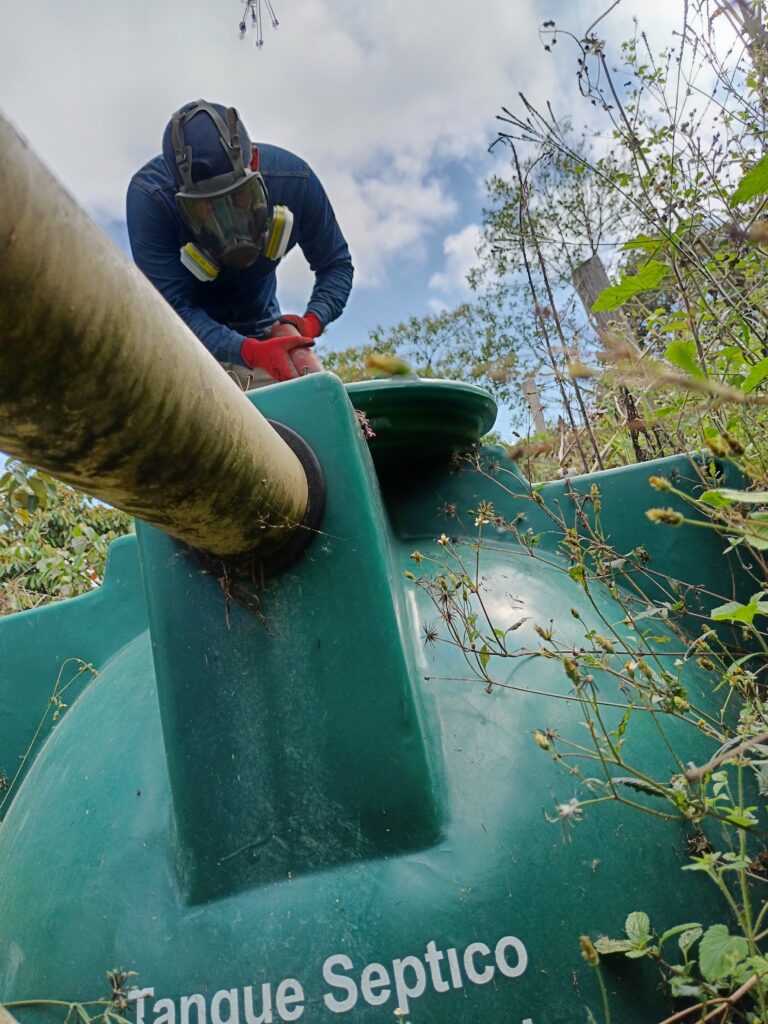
(542, 740)
(665, 515)
(588, 951)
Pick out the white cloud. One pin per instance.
(460, 256)
(294, 281)
(437, 306)
(375, 95)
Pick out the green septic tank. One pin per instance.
(275, 801)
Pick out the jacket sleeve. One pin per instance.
(155, 248)
(327, 253)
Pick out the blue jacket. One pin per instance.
(239, 303)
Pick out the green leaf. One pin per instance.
(622, 726)
(756, 375)
(683, 989)
(754, 183)
(716, 499)
(683, 355)
(39, 488)
(640, 785)
(758, 965)
(638, 928)
(732, 611)
(732, 861)
(680, 929)
(647, 277)
(733, 352)
(645, 242)
(636, 953)
(747, 497)
(605, 946)
(757, 530)
(720, 953)
(689, 936)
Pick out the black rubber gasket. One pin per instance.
(253, 570)
(309, 526)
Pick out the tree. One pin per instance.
(54, 539)
(486, 341)
(651, 191)
(566, 203)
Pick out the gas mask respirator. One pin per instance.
(228, 214)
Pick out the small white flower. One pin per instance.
(572, 809)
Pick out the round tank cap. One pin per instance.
(417, 420)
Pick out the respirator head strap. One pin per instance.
(229, 137)
(182, 154)
(234, 146)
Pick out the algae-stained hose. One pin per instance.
(103, 386)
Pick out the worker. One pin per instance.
(210, 219)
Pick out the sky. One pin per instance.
(393, 104)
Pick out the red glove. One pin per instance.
(284, 356)
(308, 325)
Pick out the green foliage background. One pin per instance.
(53, 540)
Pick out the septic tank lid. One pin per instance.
(417, 420)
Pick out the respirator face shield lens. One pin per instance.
(230, 223)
